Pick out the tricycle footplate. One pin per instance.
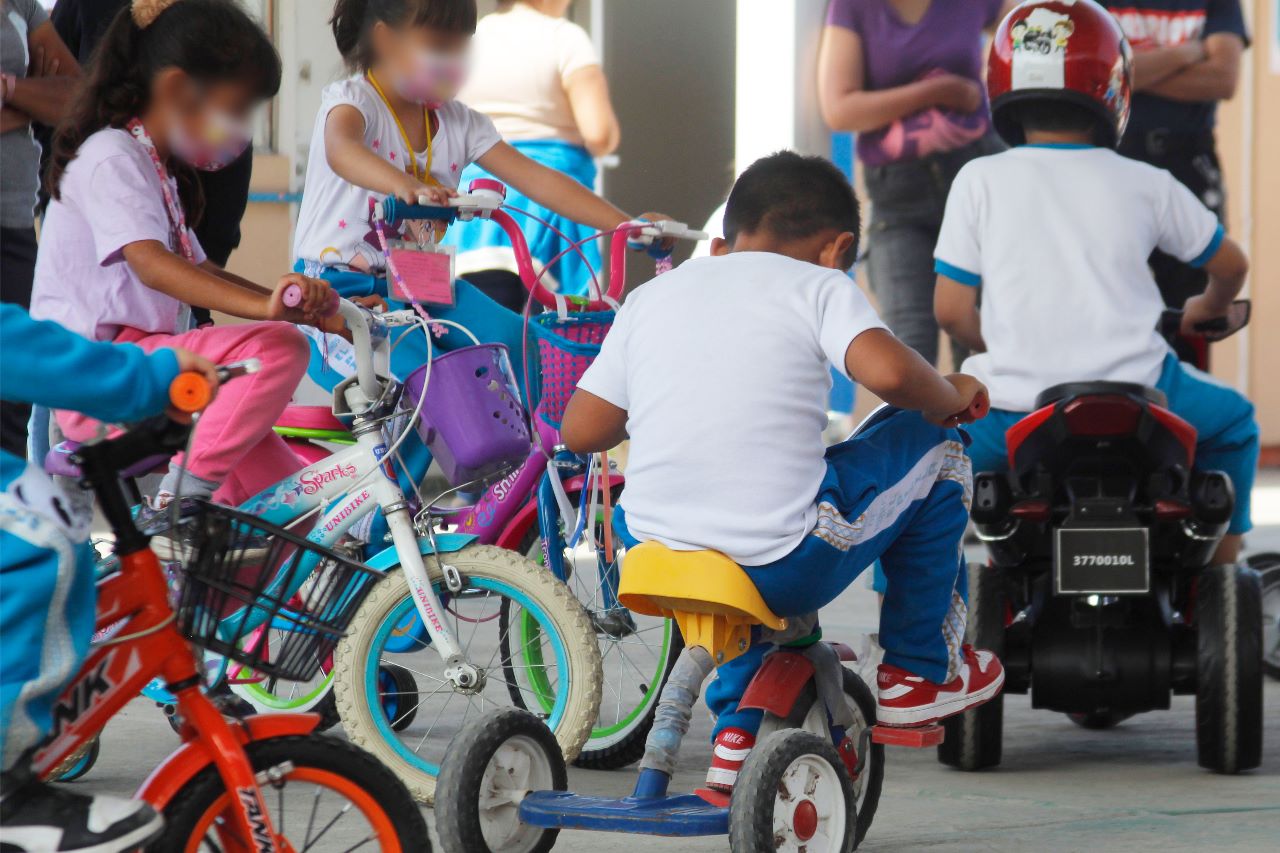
(917, 737)
(682, 815)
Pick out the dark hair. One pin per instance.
(210, 40)
(1056, 116)
(353, 20)
(793, 197)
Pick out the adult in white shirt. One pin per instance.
(539, 77)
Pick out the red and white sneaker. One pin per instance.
(909, 700)
(731, 749)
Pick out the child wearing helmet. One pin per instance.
(1057, 232)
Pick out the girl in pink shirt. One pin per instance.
(171, 90)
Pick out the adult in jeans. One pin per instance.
(906, 76)
(1186, 58)
(37, 78)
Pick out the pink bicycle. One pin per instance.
(552, 508)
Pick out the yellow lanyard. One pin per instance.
(404, 135)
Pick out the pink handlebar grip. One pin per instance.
(292, 298)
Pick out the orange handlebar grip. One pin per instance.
(190, 392)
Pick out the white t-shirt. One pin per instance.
(520, 62)
(333, 224)
(1058, 238)
(722, 366)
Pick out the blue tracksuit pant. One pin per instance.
(47, 612)
(898, 491)
(1227, 437)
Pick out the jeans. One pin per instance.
(17, 271)
(1227, 434)
(898, 491)
(908, 200)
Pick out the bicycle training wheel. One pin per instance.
(387, 632)
(322, 794)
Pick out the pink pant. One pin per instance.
(233, 443)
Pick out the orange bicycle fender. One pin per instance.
(778, 683)
(193, 756)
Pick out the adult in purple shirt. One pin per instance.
(906, 76)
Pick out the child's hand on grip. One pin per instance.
(315, 303)
(190, 362)
(1200, 310)
(972, 402)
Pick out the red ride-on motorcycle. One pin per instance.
(1100, 596)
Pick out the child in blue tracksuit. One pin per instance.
(1056, 232)
(47, 597)
(719, 372)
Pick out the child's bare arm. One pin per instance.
(550, 188)
(352, 161)
(956, 307)
(162, 270)
(898, 375)
(239, 281)
(592, 424)
(1227, 270)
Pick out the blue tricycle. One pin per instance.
(811, 784)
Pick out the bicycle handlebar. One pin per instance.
(1217, 329)
(485, 200)
(292, 298)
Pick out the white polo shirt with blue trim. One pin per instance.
(1058, 238)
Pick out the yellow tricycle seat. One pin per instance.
(708, 595)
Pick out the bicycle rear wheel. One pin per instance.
(637, 652)
(324, 794)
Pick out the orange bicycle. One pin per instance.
(230, 786)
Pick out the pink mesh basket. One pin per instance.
(566, 348)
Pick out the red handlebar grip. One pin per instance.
(190, 392)
(292, 298)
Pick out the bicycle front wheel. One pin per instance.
(561, 653)
(322, 794)
(636, 652)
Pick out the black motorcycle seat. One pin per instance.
(1090, 389)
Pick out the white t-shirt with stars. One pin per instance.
(333, 224)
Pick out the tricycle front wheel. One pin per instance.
(492, 762)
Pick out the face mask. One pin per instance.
(219, 143)
(435, 79)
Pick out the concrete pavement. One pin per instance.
(1060, 788)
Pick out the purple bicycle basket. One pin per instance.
(472, 418)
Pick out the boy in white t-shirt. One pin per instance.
(1057, 232)
(718, 372)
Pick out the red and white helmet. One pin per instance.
(1066, 50)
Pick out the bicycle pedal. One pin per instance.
(916, 737)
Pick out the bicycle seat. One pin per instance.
(319, 418)
(58, 463)
(709, 595)
(1080, 389)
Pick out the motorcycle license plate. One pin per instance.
(1104, 561)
